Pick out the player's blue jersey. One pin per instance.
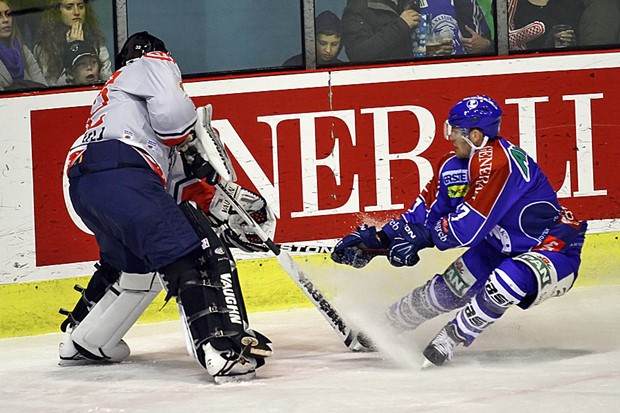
(499, 195)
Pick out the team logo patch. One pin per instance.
(472, 104)
(127, 134)
(485, 159)
(522, 161)
(459, 278)
(457, 191)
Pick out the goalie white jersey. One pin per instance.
(143, 105)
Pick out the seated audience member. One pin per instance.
(18, 67)
(378, 30)
(81, 64)
(472, 29)
(530, 22)
(328, 41)
(461, 20)
(63, 22)
(388, 29)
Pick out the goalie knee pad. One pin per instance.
(211, 304)
(98, 336)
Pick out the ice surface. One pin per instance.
(562, 356)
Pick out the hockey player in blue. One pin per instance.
(490, 196)
(146, 153)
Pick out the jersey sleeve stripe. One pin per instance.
(175, 138)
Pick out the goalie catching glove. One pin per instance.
(230, 225)
(204, 153)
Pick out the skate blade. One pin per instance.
(71, 362)
(427, 364)
(261, 352)
(239, 378)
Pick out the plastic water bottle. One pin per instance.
(418, 37)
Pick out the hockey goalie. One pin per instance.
(142, 179)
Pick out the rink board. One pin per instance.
(32, 308)
(328, 149)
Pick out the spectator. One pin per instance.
(599, 23)
(63, 22)
(374, 30)
(472, 29)
(530, 22)
(378, 30)
(18, 67)
(81, 64)
(328, 41)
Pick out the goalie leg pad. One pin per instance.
(104, 277)
(99, 335)
(211, 304)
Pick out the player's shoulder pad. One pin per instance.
(157, 55)
(158, 63)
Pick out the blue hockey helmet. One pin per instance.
(136, 45)
(477, 112)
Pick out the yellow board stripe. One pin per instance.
(32, 308)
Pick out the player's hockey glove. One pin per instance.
(232, 228)
(359, 247)
(195, 159)
(406, 239)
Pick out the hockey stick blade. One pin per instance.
(347, 335)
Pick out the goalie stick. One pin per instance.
(352, 339)
(218, 158)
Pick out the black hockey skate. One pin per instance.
(442, 347)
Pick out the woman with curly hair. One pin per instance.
(64, 22)
(18, 67)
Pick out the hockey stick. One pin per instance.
(322, 249)
(306, 249)
(348, 336)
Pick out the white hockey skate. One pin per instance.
(70, 356)
(441, 349)
(226, 366)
